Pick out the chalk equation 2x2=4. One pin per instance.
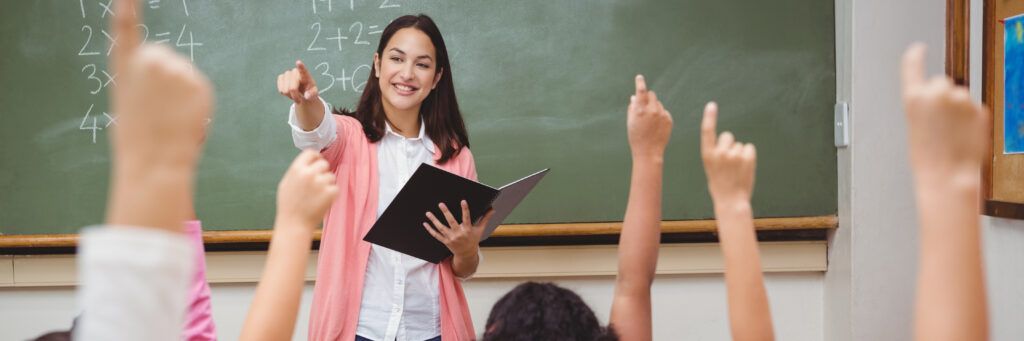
(100, 43)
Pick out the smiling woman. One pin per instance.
(407, 115)
(412, 81)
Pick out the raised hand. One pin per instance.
(648, 124)
(297, 84)
(305, 192)
(460, 238)
(728, 164)
(947, 140)
(161, 102)
(946, 128)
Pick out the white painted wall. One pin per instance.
(1004, 252)
(1003, 238)
(687, 307)
(873, 255)
(838, 275)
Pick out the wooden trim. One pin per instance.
(958, 41)
(519, 230)
(528, 262)
(244, 236)
(987, 93)
(38, 240)
(682, 226)
(1002, 209)
(990, 207)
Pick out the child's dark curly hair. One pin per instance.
(544, 311)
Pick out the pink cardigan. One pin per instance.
(199, 319)
(343, 253)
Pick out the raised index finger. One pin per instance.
(641, 90)
(708, 126)
(913, 67)
(124, 23)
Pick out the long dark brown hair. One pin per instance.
(439, 111)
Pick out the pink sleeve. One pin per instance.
(348, 129)
(199, 318)
(470, 164)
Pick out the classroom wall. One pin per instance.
(870, 281)
(688, 307)
(869, 285)
(1004, 250)
(837, 282)
(867, 292)
(1003, 238)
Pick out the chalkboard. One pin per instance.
(543, 84)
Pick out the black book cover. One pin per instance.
(400, 227)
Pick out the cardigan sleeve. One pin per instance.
(349, 130)
(468, 164)
(199, 324)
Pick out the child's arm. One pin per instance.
(135, 274)
(729, 166)
(303, 196)
(947, 145)
(649, 126)
(162, 103)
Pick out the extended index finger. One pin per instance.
(124, 23)
(304, 72)
(913, 67)
(641, 90)
(708, 126)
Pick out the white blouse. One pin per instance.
(400, 292)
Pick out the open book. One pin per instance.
(400, 227)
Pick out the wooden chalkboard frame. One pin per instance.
(505, 231)
(957, 66)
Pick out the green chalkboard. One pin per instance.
(542, 84)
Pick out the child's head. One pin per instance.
(411, 72)
(544, 311)
(63, 335)
(55, 336)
